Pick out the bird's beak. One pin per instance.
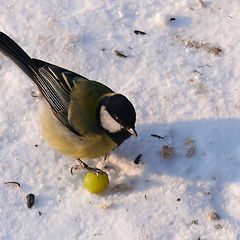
(132, 131)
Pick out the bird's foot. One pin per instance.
(83, 165)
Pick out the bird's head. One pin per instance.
(117, 116)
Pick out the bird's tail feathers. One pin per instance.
(12, 50)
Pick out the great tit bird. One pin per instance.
(80, 118)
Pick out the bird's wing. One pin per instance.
(55, 84)
(85, 96)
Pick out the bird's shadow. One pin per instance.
(216, 156)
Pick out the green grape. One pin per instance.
(96, 183)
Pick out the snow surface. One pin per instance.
(181, 91)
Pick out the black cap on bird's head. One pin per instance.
(117, 116)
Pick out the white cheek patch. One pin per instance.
(108, 122)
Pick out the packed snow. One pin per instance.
(183, 78)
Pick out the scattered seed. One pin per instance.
(106, 206)
(201, 88)
(139, 32)
(207, 193)
(145, 196)
(36, 145)
(167, 152)
(30, 200)
(157, 136)
(172, 19)
(213, 216)
(200, 45)
(215, 50)
(203, 5)
(190, 148)
(195, 222)
(137, 159)
(39, 213)
(13, 183)
(110, 168)
(218, 227)
(205, 65)
(178, 199)
(205, 46)
(120, 54)
(97, 234)
(121, 188)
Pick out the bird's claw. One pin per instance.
(83, 165)
(75, 167)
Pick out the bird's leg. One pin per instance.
(83, 165)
